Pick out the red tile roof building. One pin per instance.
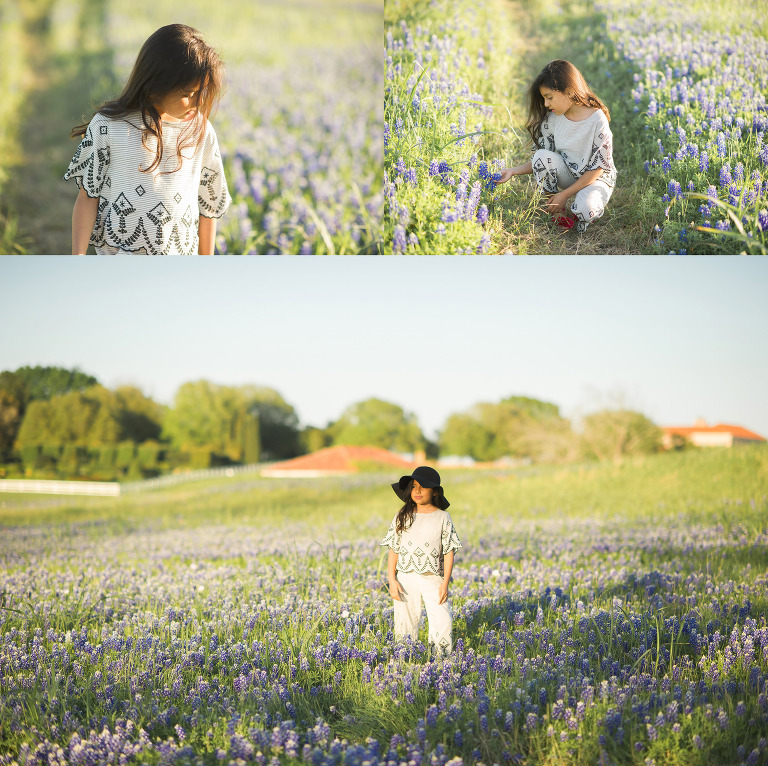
(702, 435)
(337, 461)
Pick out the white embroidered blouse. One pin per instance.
(422, 546)
(156, 213)
(584, 145)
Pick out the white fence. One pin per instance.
(172, 479)
(40, 487)
(113, 489)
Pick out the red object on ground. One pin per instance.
(566, 221)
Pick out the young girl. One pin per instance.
(569, 124)
(421, 541)
(148, 167)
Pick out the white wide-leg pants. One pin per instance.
(552, 175)
(414, 587)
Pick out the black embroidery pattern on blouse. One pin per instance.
(89, 168)
(418, 560)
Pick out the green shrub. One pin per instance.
(199, 458)
(30, 454)
(148, 454)
(124, 455)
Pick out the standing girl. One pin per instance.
(148, 167)
(569, 124)
(421, 541)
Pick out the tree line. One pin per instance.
(57, 421)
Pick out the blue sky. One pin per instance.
(676, 338)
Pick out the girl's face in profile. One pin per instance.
(421, 495)
(555, 100)
(179, 105)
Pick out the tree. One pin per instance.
(46, 382)
(206, 414)
(30, 384)
(12, 408)
(314, 439)
(140, 418)
(615, 434)
(517, 426)
(378, 423)
(94, 417)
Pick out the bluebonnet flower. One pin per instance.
(666, 164)
(482, 214)
(675, 189)
(449, 214)
(725, 175)
(398, 240)
(531, 721)
(434, 168)
(762, 220)
(722, 151)
(703, 162)
(493, 179)
(400, 166)
(482, 170)
(411, 176)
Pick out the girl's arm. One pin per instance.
(83, 220)
(520, 170)
(557, 201)
(394, 586)
(447, 568)
(206, 232)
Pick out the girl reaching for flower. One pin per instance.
(148, 166)
(574, 159)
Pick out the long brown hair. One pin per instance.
(562, 76)
(172, 59)
(405, 515)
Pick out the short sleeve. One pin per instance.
(450, 540)
(392, 538)
(601, 155)
(547, 138)
(91, 161)
(213, 197)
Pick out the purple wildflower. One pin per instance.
(398, 240)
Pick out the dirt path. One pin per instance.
(62, 85)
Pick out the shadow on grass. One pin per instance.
(67, 86)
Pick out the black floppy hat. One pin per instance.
(426, 476)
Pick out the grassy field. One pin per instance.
(463, 69)
(293, 125)
(602, 614)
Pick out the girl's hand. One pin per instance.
(443, 592)
(556, 203)
(506, 174)
(394, 590)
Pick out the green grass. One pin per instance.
(704, 485)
